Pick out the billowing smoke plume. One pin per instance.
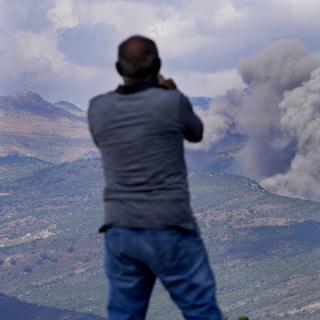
(219, 120)
(279, 112)
(282, 66)
(301, 122)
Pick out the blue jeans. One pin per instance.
(135, 257)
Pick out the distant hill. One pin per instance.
(69, 107)
(57, 132)
(33, 103)
(264, 248)
(15, 165)
(34, 127)
(14, 309)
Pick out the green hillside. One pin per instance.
(13, 309)
(264, 248)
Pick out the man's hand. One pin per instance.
(169, 83)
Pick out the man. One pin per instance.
(150, 230)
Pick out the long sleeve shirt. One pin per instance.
(139, 131)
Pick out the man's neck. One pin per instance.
(134, 81)
(139, 85)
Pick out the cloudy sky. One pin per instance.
(66, 49)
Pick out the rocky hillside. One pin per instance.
(69, 107)
(264, 248)
(57, 132)
(32, 126)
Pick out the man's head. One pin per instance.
(138, 58)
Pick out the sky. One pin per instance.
(66, 49)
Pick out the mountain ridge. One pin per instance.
(32, 126)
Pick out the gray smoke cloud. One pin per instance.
(220, 119)
(279, 112)
(282, 66)
(300, 120)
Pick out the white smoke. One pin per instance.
(279, 112)
(219, 120)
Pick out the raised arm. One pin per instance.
(192, 125)
(91, 119)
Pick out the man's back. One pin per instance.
(139, 132)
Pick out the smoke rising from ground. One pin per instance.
(219, 120)
(301, 122)
(279, 111)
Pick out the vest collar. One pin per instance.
(141, 86)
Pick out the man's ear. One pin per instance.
(157, 66)
(119, 68)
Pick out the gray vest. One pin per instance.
(139, 131)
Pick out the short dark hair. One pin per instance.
(138, 64)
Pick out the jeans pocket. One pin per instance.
(110, 237)
(116, 240)
(107, 233)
